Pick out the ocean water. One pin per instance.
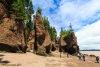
(96, 53)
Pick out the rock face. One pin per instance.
(11, 31)
(30, 43)
(42, 39)
(12, 34)
(69, 44)
(3, 9)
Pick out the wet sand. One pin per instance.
(97, 53)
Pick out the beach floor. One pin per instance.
(33, 60)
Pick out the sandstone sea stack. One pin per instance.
(42, 38)
(69, 44)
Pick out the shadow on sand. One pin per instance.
(3, 61)
(96, 62)
(1, 55)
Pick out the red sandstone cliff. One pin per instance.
(12, 35)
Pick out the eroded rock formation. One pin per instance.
(30, 43)
(11, 31)
(12, 34)
(3, 9)
(69, 44)
(42, 39)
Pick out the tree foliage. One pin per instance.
(39, 10)
(53, 33)
(22, 9)
(29, 12)
(29, 27)
(18, 9)
(46, 23)
(29, 9)
(61, 32)
(65, 33)
(70, 26)
(51, 30)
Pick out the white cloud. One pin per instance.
(89, 36)
(70, 11)
(81, 13)
(77, 11)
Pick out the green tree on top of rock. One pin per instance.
(39, 10)
(65, 33)
(18, 9)
(70, 26)
(22, 9)
(61, 32)
(46, 23)
(53, 33)
(51, 30)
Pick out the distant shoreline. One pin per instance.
(89, 50)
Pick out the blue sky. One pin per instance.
(83, 14)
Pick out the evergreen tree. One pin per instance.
(22, 10)
(70, 26)
(29, 12)
(51, 30)
(18, 9)
(46, 23)
(29, 9)
(61, 32)
(39, 10)
(54, 34)
(29, 27)
(10, 2)
(65, 33)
